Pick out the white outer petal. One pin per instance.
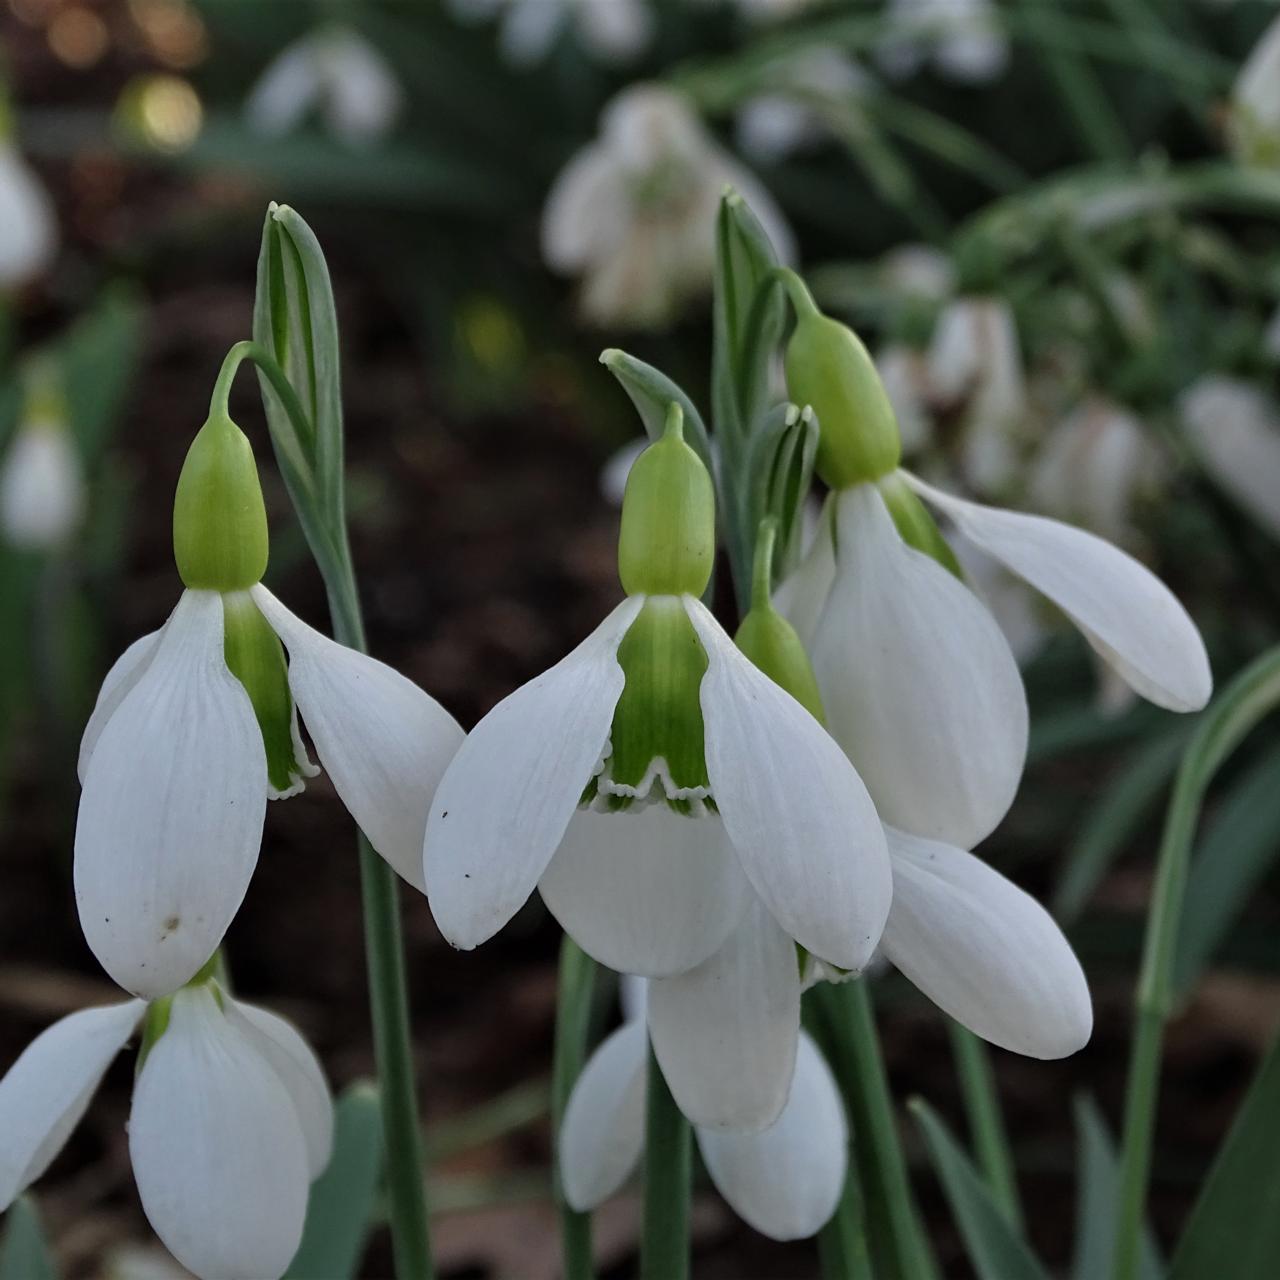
(125, 672)
(984, 951)
(615, 30)
(171, 815)
(383, 741)
(799, 816)
(650, 892)
(218, 1154)
(586, 211)
(286, 90)
(30, 223)
(786, 1181)
(603, 1131)
(46, 1091)
(41, 487)
(1125, 612)
(281, 1045)
(363, 96)
(725, 1033)
(919, 684)
(502, 807)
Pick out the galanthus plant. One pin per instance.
(196, 726)
(231, 1121)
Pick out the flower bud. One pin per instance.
(830, 370)
(219, 520)
(667, 542)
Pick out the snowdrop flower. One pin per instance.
(611, 30)
(963, 38)
(974, 368)
(785, 1181)
(920, 686)
(30, 226)
(791, 116)
(634, 212)
(196, 726)
(42, 491)
(655, 783)
(332, 70)
(1234, 429)
(917, 271)
(231, 1122)
(1253, 126)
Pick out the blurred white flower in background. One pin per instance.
(610, 30)
(28, 223)
(793, 115)
(964, 39)
(784, 1181)
(1253, 125)
(231, 1122)
(917, 272)
(42, 489)
(905, 374)
(634, 212)
(336, 72)
(1234, 429)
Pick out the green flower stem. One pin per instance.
(668, 1163)
(842, 1242)
(898, 1246)
(573, 1020)
(384, 946)
(1254, 693)
(986, 1125)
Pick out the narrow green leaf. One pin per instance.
(1097, 1196)
(1234, 1229)
(995, 1249)
(1240, 842)
(342, 1198)
(24, 1252)
(651, 391)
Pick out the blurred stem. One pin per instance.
(668, 1165)
(897, 1241)
(842, 1242)
(986, 1125)
(380, 894)
(1253, 694)
(573, 1019)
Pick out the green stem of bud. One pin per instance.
(762, 564)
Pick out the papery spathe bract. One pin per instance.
(633, 213)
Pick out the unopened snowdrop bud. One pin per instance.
(42, 480)
(667, 542)
(219, 519)
(830, 370)
(1254, 123)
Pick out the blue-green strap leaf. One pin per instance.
(24, 1251)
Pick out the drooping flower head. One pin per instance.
(231, 1122)
(613, 31)
(655, 784)
(196, 726)
(29, 238)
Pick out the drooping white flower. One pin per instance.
(29, 238)
(964, 39)
(654, 783)
(1234, 429)
(332, 70)
(1253, 125)
(917, 271)
(975, 371)
(791, 115)
(42, 492)
(231, 1122)
(634, 212)
(785, 1181)
(613, 31)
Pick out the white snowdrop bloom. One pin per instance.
(42, 490)
(196, 726)
(1013, 604)
(612, 31)
(333, 71)
(784, 1181)
(654, 781)
(1234, 428)
(1253, 126)
(29, 238)
(792, 115)
(964, 39)
(975, 368)
(634, 212)
(905, 374)
(231, 1122)
(1094, 467)
(917, 271)
(919, 684)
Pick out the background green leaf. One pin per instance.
(24, 1252)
